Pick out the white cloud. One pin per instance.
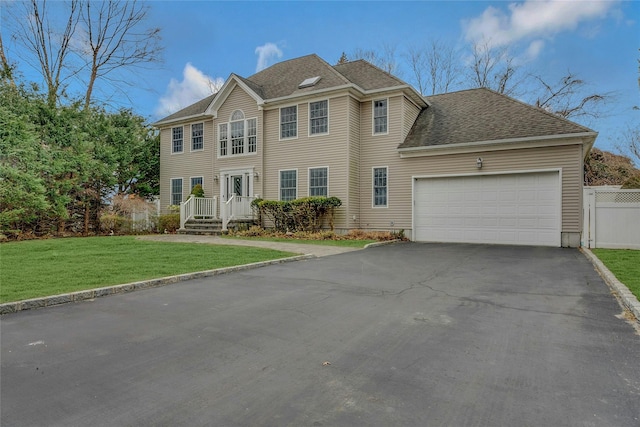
(266, 53)
(534, 49)
(532, 19)
(195, 85)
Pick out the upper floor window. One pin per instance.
(243, 134)
(289, 122)
(380, 187)
(318, 117)
(380, 116)
(288, 185)
(197, 140)
(177, 140)
(318, 181)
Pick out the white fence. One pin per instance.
(611, 218)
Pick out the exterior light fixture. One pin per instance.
(479, 163)
(256, 175)
(215, 178)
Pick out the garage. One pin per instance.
(511, 208)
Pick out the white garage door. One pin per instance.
(517, 209)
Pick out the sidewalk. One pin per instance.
(298, 248)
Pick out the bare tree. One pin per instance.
(6, 70)
(384, 59)
(567, 98)
(50, 46)
(115, 39)
(493, 68)
(434, 67)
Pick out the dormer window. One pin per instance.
(311, 81)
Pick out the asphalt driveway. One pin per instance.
(400, 335)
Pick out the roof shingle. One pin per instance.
(477, 115)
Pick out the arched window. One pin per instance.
(237, 115)
(239, 136)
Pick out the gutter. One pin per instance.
(539, 141)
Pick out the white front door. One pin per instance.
(238, 182)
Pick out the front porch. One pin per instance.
(204, 215)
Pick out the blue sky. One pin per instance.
(205, 41)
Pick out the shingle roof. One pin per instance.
(482, 115)
(283, 79)
(367, 76)
(192, 110)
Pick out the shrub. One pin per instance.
(169, 223)
(305, 214)
(631, 183)
(197, 191)
(116, 224)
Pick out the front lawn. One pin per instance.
(624, 264)
(37, 268)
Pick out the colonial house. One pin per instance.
(469, 166)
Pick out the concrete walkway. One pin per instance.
(297, 248)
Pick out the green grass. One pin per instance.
(38, 268)
(624, 264)
(343, 243)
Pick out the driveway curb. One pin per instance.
(30, 304)
(628, 299)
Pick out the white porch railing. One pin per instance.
(202, 207)
(237, 207)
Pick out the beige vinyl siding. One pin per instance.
(328, 150)
(354, 165)
(186, 164)
(410, 114)
(565, 157)
(381, 151)
(238, 99)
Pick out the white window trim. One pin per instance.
(373, 190)
(171, 189)
(171, 138)
(373, 117)
(280, 183)
(191, 139)
(313, 135)
(229, 143)
(309, 179)
(190, 182)
(280, 138)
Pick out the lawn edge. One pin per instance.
(90, 294)
(625, 296)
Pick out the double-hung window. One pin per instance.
(318, 181)
(318, 117)
(380, 116)
(176, 191)
(252, 135)
(195, 180)
(239, 136)
(177, 140)
(223, 136)
(288, 185)
(197, 133)
(289, 122)
(380, 187)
